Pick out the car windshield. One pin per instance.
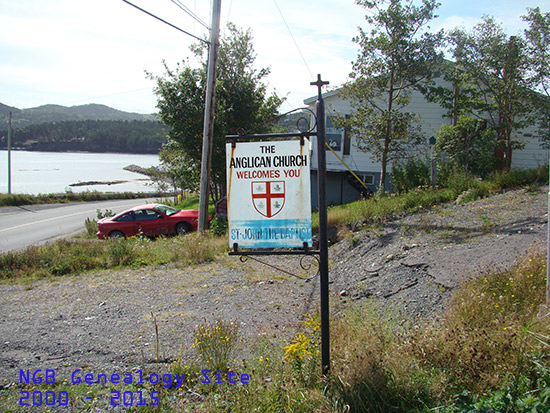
(166, 210)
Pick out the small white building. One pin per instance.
(342, 186)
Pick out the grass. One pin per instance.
(79, 255)
(380, 208)
(461, 188)
(69, 196)
(75, 256)
(488, 352)
(487, 342)
(88, 253)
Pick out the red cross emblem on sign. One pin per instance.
(268, 197)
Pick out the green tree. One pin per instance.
(242, 101)
(176, 169)
(538, 43)
(468, 145)
(395, 57)
(491, 77)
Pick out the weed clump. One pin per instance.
(490, 349)
(216, 343)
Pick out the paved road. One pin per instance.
(23, 226)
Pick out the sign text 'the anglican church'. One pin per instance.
(269, 200)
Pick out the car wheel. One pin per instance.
(116, 235)
(183, 228)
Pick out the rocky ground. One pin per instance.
(106, 321)
(413, 264)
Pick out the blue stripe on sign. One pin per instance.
(277, 233)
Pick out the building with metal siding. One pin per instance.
(343, 188)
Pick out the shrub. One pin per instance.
(509, 179)
(91, 227)
(413, 174)
(121, 251)
(459, 183)
(218, 226)
(468, 145)
(215, 344)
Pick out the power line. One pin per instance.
(229, 11)
(164, 21)
(294, 40)
(279, 94)
(190, 13)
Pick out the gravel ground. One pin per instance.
(413, 264)
(105, 320)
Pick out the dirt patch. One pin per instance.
(103, 321)
(412, 264)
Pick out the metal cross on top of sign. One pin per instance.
(319, 83)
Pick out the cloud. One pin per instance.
(64, 51)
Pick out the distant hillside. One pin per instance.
(292, 122)
(5, 110)
(93, 128)
(89, 135)
(57, 113)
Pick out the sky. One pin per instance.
(76, 52)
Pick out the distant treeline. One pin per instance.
(89, 135)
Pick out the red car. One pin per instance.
(148, 220)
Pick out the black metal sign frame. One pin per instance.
(322, 252)
(305, 250)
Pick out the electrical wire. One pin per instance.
(164, 21)
(293, 39)
(229, 11)
(190, 13)
(279, 94)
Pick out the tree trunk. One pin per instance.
(382, 187)
(387, 137)
(504, 152)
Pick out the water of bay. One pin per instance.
(54, 172)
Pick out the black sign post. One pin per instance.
(323, 239)
(322, 253)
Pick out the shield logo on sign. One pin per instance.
(268, 197)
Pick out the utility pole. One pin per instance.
(208, 130)
(9, 155)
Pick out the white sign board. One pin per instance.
(268, 194)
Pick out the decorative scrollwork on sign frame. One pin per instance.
(302, 123)
(304, 265)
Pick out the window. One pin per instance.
(347, 140)
(147, 214)
(368, 179)
(166, 210)
(333, 134)
(337, 138)
(129, 216)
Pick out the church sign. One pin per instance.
(269, 200)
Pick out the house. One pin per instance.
(342, 185)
